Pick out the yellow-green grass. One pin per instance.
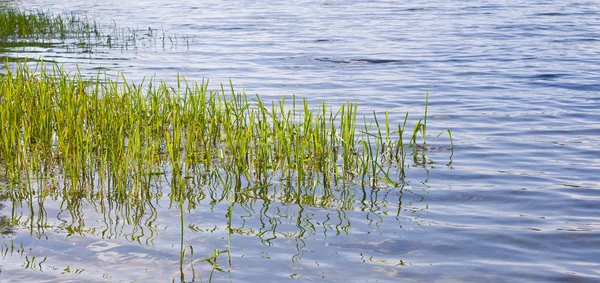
(113, 145)
(110, 137)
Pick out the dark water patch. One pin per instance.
(319, 40)
(553, 14)
(548, 76)
(362, 61)
(475, 74)
(418, 9)
(523, 27)
(23, 59)
(577, 40)
(569, 86)
(229, 28)
(587, 39)
(484, 6)
(14, 44)
(70, 55)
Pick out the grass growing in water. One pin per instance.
(36, 25)
(101, 142)
(100, 133)
(37, 28)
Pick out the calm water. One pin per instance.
(517, 82)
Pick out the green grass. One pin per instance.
(37, 24)
(38, 28)
(114, 145)
(105, 132)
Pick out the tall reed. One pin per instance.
(111, 136)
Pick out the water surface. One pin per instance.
(517, 82)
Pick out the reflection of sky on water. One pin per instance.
(294, 237)
(515, 82)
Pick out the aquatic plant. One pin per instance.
(115, 145)
(38, 28)
(102, 131)
(15, 23)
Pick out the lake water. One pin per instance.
(517, 83)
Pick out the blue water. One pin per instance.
(517, 82)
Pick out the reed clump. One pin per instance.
(39, 28)
(111, 137)
(15, 23)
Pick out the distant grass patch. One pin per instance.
(37, 25)
(44, 29)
